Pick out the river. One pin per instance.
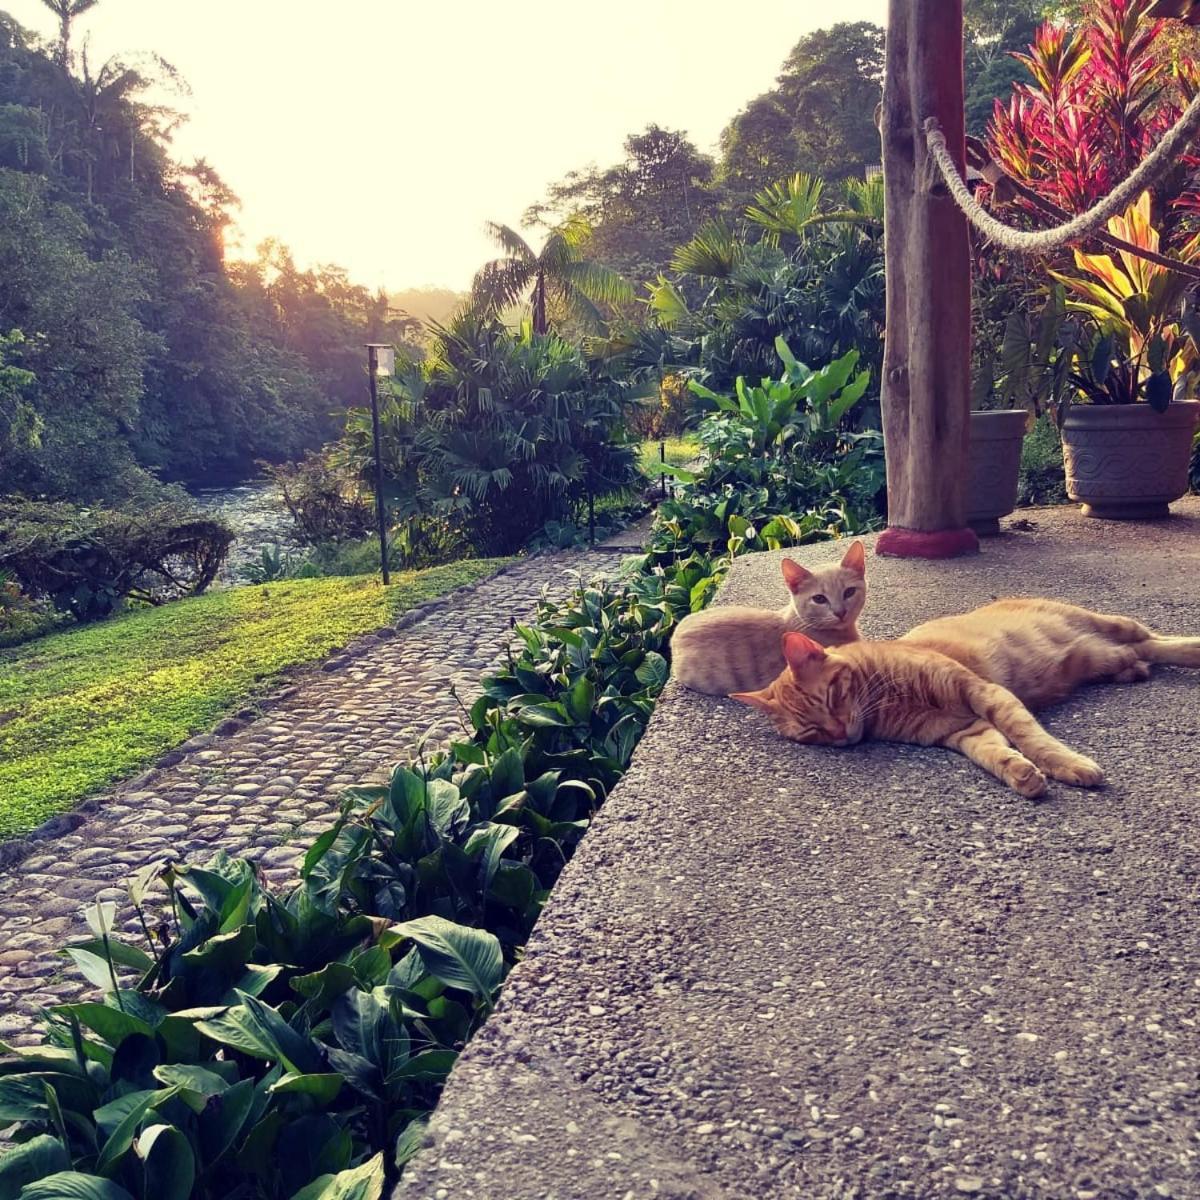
(256, 513)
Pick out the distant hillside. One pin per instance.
(428, 304)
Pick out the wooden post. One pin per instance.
(926, 391)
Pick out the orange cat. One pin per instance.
(729, 649)
(1042, 650)
(909, 693)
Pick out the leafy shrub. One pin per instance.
(778, 467)
(666, 414)
(274, 564)
(494, 434)
(1041, 478)
(326, 503)
(21, 618)
(256, 1043)
(86, 561)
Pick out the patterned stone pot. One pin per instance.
(995, 464)
(1126, 461)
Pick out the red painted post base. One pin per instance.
(895, 542)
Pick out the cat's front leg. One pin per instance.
(986, 745)
(1002, 709)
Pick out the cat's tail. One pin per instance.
(1178, 651)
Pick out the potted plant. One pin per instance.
(1126, 414)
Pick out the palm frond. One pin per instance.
(788, 207)
(510, 241)
(597, 282)
(502, 282)
(713, 253)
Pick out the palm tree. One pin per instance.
(66, 11)
(559, 270)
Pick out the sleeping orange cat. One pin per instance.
(964, 682)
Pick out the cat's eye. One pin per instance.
(848, 593)
(819, 600)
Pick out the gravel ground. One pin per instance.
(782, 971)
(266, 783)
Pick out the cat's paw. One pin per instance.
(1077, 770)
(1023, 777)
(1134, 673)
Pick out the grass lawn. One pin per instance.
(680, 451)
(84, 707)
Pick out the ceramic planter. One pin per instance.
(1126, 461)
(994, 466)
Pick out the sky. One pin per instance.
(381, 134)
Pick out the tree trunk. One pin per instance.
(926, 364)
(539, 304)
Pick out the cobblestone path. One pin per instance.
(269, 785)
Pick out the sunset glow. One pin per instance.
(382, 134)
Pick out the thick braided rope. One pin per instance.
(1041, 241)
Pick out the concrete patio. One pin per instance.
(781, 971)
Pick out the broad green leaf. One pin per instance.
(322, 1088)
(544, 716)
(123, 954)
(19, 1165)
(223, 1119)
(411, 1140)
(653, 672)
(93, 968)
(365, 1182)
(431, 1064)
(456, 954)
(1158, 391)
(168, 1162)
(258, 1030)
(111, 1024)
(195, 1084)
(72, 1185)
(489, 841)
(507, 773)
(121, 1138)
(324, 986)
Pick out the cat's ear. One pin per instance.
(794, 575)
(755, 699)
(855, 559)
(803, 655)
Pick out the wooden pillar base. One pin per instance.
(895, 542)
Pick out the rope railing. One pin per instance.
(1042, 241)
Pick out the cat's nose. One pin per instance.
(840, 614)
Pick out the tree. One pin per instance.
(641, 208)
(559, 271)
(66, 11)
(995, 30)
(820, 116)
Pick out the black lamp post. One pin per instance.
(381, 360)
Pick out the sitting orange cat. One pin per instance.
(961, 681)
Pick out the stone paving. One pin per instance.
(265, 783)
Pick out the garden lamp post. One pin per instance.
(381, 360)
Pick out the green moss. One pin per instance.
(82, 708)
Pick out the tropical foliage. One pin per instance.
(492, 435)
(138, 347)
(558, 273)
(86, 562)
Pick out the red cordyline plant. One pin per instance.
(1100, 98)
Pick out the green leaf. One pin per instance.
(169, 1163)
(324, 986)
(489, 841)
(456, 954)
(653, 672)
(429, 1065)
(579, 700)
(544, 716)
(259, 1031)
(72, 1185)
(322, 1088)
(195, 1084)
(111, 1024)
(1101, 363)
(507, 773)
(411, 1140)
(40, 1156)
(123, 954)
(359, 1183)
(122, 1136)
(93, 968)
(223, 1119)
